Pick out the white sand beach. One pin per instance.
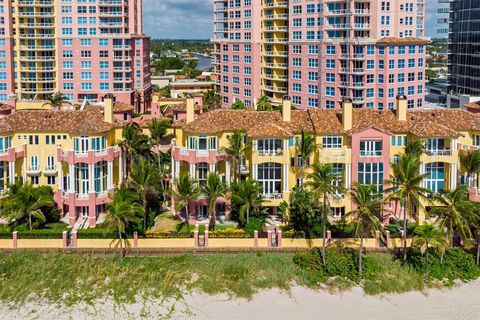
(461, 302)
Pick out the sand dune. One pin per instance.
(461, 302)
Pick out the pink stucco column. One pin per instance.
(279, 238)
(74, 239)
(64, 239)
(195, 238)
(14, 239)
(329, 237)
(255, 239)
(72, 216)
(269, 238)
(135, 239)
(206, 236)
(387, 239)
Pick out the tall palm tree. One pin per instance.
(247, 195)
(214, 188)
(415, 148)
(211, 100)
(134, 143)
(56, 100)
(471, 163)
(324, 184)
(158, 134)
(264, 104)
(405, 185)
(367, 217)
(144, 180)
(185, 190)
(236, 149)
(455, 212)
(427, 236)
(305, 147)
(27, 202)
(121, 212)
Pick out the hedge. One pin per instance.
(167, 234)
(95, 234)
(35, 234)
(229, 233)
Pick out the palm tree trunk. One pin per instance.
(145, 214)
(303, 173)
(426, 259)
(30, 221)
(213, 215)
(248, 213)
(361, 253)
(162, 183)
(405, 209)
(239, 171)
(121, 246)
(324, 231)
(187, 220)
(478, 248)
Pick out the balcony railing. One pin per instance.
(444, 152)
(270, 153)
(273, 196)
(368, 153)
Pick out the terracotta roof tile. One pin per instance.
(268, 130)
(122, 107)
(75, 122)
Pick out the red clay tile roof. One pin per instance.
(120, 107)
(472, 105)
(424, 123)
(6, 107)
(75, 122)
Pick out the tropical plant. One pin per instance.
(305, 146)
(305, 214)
(185, 189)
(134, 143)
(455, 212)
(325, 184)
(122, 211)
(137, 99)
(56, 100)
(211, 100)
(471, 163)
(26, 202)
(247, 197)
(236, 150)
(415, 148)
(238, 105)
(405, 185)
(429, 236)
(367, 217)
(165, 92)
(144, 180)
(158, 135)
(214, 188)
(264, 104)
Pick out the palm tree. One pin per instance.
(56, 100)
(455, 212)
(247, 195)
(121, 212)
(144, 180)
(236, 149)
(238, 105)
(214, 188)
(415, 148)
(158, 134)
(471, 164)
(405, 185)
(305, 147)
(264, 104)
(325, 184)
(185, 190)
(27, 202)
(427, 235)
(304, 213)
(211, 100)
(366, 218)
(134, 143)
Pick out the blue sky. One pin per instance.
(192, 19)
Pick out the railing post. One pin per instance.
(269, 238)
(279, 238)
(64, 239)
(329, 237)
(388, 239)
(74, 239)
(255, 239)
(135, 239)
(14, 239)
(195, 238)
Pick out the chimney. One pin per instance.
(190, 110)
(402, 108)
(108, 102)
(287, 109)
(347, 115)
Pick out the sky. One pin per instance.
(192, 19)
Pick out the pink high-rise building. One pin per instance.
(83, 49)
(319, 51)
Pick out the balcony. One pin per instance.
(50, 171)
(435, 152)
(277, 5)
(273, 196)
(33, 170)
(276, 89)
(195, 156)
(282, 66)
(89, 157)
(371, 153)
(334, 155)
(270, 153)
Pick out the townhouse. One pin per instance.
(360, 144)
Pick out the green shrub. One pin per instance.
(228, 233)
(253, 224)
(310, 264)
(96, 233)
(167, 234)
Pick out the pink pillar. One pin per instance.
(14, 239)
(74, 239)
(64, 239)
(255, 239)
(387, 239)
(269, 238)
(279, 238)
(135, 239)
(195, 238)
(72, 216)
(329, 237)
(206, 236)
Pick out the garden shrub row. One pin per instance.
(35, 234)
(96, 233)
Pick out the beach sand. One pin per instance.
(460, 302)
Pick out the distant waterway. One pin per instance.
(203, 62)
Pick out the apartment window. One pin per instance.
(269, 146)
(435, 180)
(332, 142)
(269, 175)
(371, 174)
(370, 148)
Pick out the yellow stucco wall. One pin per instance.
(231, 243)
(39, 243)
(6, 243)
(166, 243)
